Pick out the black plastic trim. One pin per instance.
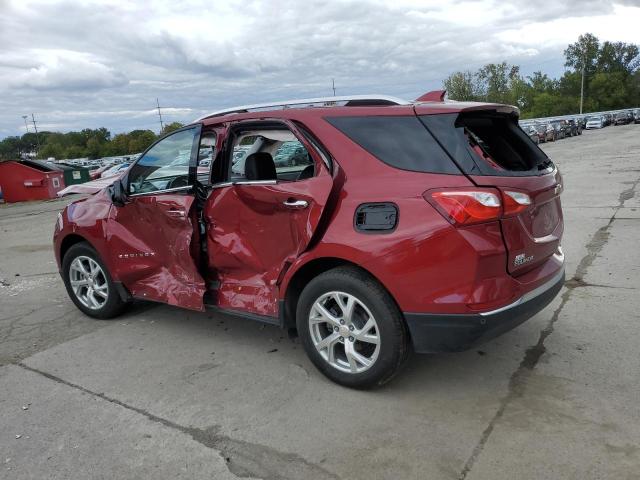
(251, 316)
(440, 333)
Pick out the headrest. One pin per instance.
(260, 166)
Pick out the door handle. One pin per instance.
(295, 204)
(176, 213)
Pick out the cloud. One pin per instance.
(62, 70)
(104, 62)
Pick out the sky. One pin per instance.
(89, 64)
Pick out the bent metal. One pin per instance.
(370, 224)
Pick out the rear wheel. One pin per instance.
(351, 328)
(89, 284)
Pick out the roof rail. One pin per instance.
(353, 100)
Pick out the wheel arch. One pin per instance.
(70, 240)
(304, 274)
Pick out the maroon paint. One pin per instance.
(149, 249)
(252, 236)
(256, 246)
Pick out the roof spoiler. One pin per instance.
(433, 96)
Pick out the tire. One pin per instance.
(371, 300)
(106, 300)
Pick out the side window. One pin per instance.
(270, 155)
(165, 165)
(401, 142)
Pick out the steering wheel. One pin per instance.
(178, 182)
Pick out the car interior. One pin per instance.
(265, 155)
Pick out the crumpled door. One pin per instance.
(254, 231)
(150, 246)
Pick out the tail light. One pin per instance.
(515, 202)
(476, 205)
(466, 206)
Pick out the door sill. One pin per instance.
(239, 313)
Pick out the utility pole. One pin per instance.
(24, 117)
(333, 85)
(582, 86)
(160, 115)
(36, 129)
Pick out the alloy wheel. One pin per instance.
(88, 282)
(344, 332)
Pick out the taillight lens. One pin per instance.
(466, 206)
(515, 202)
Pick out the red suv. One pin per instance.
(369, 223)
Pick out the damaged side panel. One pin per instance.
(150, 240)
(253, 237)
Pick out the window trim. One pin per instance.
(266, 124)
(193, 162)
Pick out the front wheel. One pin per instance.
(89, 284)
(351, 328)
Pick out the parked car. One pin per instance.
(595, 122)
(607, 119)
(575, 127)
(636, 116)
(97, 173)
(392, 236)
(533, 134)
(569, 130)
(630, 116)
(559, 128)
(114, 170)
(541, 129)
(621, 118)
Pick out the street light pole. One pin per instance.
(24, 117)
(36, 129)
(582, 89)
(582, 85)
(160, 115)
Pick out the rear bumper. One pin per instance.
(437, 333)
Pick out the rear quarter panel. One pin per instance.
(425, 263)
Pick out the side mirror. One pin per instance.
(118, 193)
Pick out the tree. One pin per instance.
(461, 86)
(609, 90)
(618, 57)
(583, 53)
(139, 140)
(170, 127)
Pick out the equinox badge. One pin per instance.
(522, 259)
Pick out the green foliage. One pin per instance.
(171, 127)
(612, 81)
(462, 86)
(86, 143)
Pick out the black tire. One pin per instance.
(114, 305)
(391, 328)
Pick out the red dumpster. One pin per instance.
(25, 180)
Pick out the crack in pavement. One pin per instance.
(517, 381)
(243, 459)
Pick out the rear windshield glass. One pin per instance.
(488, 144)
(402, 142)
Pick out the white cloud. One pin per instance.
(104, 62)
(62, 69)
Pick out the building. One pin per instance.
(26, 180)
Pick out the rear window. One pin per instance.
(401, 142)
(487, 144)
